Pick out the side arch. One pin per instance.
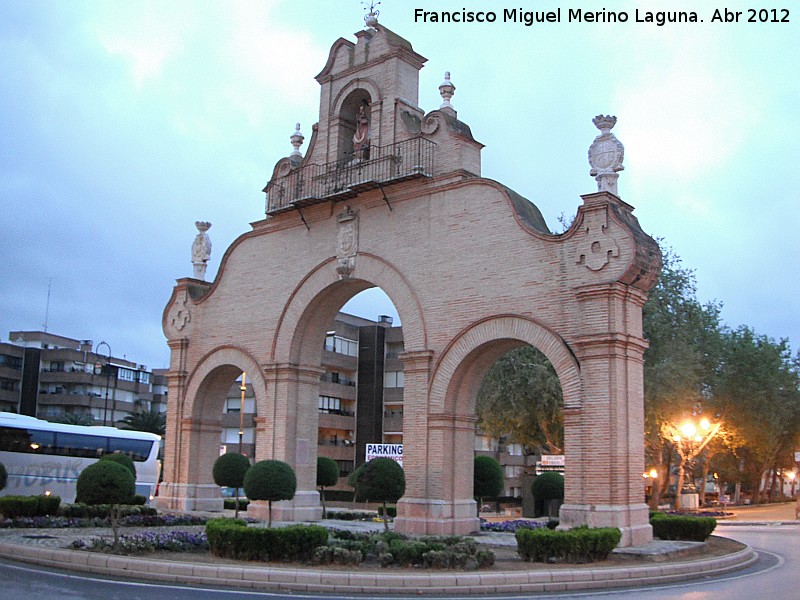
(213, 375)
(460, 365)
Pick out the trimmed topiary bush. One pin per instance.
(695, 529)
(122, 459)
(381, 480)
(488, 479)
(547, 487)
(270, 480)
(327, 475)
(106, 482)
(577, 545)
(229, 471)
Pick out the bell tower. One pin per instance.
(365, 87)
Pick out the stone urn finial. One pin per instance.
(297, 140)
(201, 249)
(447, 90)
(605, 155)
(371, 18)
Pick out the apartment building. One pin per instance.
(51, 377)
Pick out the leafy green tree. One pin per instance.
(229, 471)
(520, 399)
(3, 476)
(680, 364)
(327, 475)
(106, 482)
(759, 395)
(270, 480)
(150, 421)
(488, 479)
(382, 480)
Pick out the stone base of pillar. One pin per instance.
(189, 497)
(632, 520)
(419, 516)
(304, 506)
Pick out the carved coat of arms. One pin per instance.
(347, 242)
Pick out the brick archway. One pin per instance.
(473, 271)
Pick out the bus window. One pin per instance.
(79, 445)
(138, 450)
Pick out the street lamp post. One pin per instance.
(243, 389)
(690, 440)
(107, 369)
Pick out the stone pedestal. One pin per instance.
(436, 517)
(304, 506)
(189, 497)
(690, 501)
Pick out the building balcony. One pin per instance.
(392, 421)
(339, 452)
(340, 420)
(346, 178)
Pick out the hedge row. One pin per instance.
(230, 503)
(13, 507)
(102, 511)
(695, 529)
(577, 545)
(232, 538)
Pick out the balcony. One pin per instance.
(347, 177)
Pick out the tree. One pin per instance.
(327, 475)
(680, 364)
(150, 421)
(3, 476)
(759, 394)
(488, 479)
(270, 480)
(74, 419)
(383, 480)
(106, 482)
(520, 398)
(547, 487)
(229, 471)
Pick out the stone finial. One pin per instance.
(605, 155)
(447, 90)
(371, 18)
(297, 140)
(201, 249)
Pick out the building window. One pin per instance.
(334, 343)
(230, 435)
(393, 379)
(12, 362)
(330, 405)
(234, 405)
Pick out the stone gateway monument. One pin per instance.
(388, 195)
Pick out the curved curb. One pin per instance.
(339, 582)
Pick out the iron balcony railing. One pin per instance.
(345, 178)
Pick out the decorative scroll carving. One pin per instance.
(597, 247)
(347, 242)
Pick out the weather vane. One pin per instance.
(371, 18)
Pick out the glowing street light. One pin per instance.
(690, 439)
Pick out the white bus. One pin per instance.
(46, 458)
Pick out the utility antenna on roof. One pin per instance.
(371, 18)
(47, 306)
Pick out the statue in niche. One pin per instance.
(361, 136)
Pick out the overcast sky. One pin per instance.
(122, 123)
